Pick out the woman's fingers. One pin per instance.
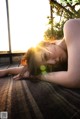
(17, 77)
(26, 75)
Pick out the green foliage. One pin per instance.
(69, 1)
(66, 9)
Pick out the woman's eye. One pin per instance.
(45, 56)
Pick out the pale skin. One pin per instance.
(17, 71)
(71, 77)
(71, 42)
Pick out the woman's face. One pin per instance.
(52, 54)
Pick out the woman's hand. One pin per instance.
(19, 76)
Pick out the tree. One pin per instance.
(64, 9)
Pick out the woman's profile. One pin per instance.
(58, 63)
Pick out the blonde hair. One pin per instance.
(33, 65)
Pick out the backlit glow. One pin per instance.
(3, 27)
(28, 21)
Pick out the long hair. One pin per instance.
(35, 68)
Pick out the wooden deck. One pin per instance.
(28, 99)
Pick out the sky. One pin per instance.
(28, 21)
(3, 27)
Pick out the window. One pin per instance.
(28, 21)
(4, 45)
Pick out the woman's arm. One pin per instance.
(20, 72)
(13, 70)
(70, 78)
(24, 73)
(63, 78)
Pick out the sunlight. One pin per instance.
(28, 21)
(3, 27)
(57, 19)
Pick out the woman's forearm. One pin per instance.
(63, 78)
(13, 70)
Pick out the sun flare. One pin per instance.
(28, 21)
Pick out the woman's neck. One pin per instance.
(62, 44)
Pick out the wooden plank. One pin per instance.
(4, 87)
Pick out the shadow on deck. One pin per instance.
(27, 99)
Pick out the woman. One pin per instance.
(40, 58)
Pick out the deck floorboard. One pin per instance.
(28, 99)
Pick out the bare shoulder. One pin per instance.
(72, 36)
(72, 30)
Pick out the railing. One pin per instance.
(10, 55)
